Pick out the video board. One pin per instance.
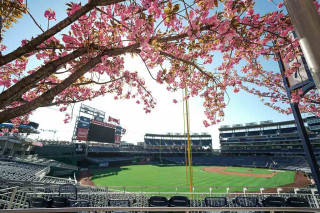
(100, 133)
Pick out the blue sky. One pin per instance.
(166, 117)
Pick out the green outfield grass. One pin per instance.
(167, 178)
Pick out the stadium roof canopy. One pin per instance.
(21, 128)
(224, 128)
(194, 135)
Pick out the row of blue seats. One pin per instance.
(259, 161)
(261, 139)
(176, 142)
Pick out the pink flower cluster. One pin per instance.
(207, 49)
(50, 14)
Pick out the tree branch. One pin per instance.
(187, 62)
(9, 95)
(47, 97)
(87, 82)
(31, 45)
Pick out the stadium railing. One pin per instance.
(106, 193)
(164, 209)
(16, 199)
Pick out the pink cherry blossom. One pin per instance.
(50, 14)
(207, 50)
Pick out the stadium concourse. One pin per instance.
(56, 174)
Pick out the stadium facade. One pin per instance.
(178, 140)
(276, 139)
(29, 170)
(269, 144)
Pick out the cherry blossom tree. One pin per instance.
(88, 60)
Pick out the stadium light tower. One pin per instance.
(306, 86)
(306, 22)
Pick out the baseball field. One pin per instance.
(166, 178)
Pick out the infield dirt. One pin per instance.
(300, 180)
(222, 170)
(85, 178)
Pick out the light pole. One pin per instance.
(306, 22)
(305, 86)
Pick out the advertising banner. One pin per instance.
(300, 75)
(84, 122)
(111, 119)
(117, 139)
(82, 134)
(35, 143)
(103, 124)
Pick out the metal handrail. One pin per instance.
(162, 209)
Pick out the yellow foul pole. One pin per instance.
(189, 146)
(185, 141)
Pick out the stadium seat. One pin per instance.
(297, 202)
(177, 201)
(274, 202)
(215, 201)
(157, 201)
(68, 191)
(119, 203)
(59, 202)
(38, 202)
(247, 201)
(78, 203)
(47, 190)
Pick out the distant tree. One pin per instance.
(89, 59)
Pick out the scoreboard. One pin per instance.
(98, 131)
(101, 134)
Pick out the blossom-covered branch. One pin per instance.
(88, 61)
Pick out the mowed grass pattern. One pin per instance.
(167, 178)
